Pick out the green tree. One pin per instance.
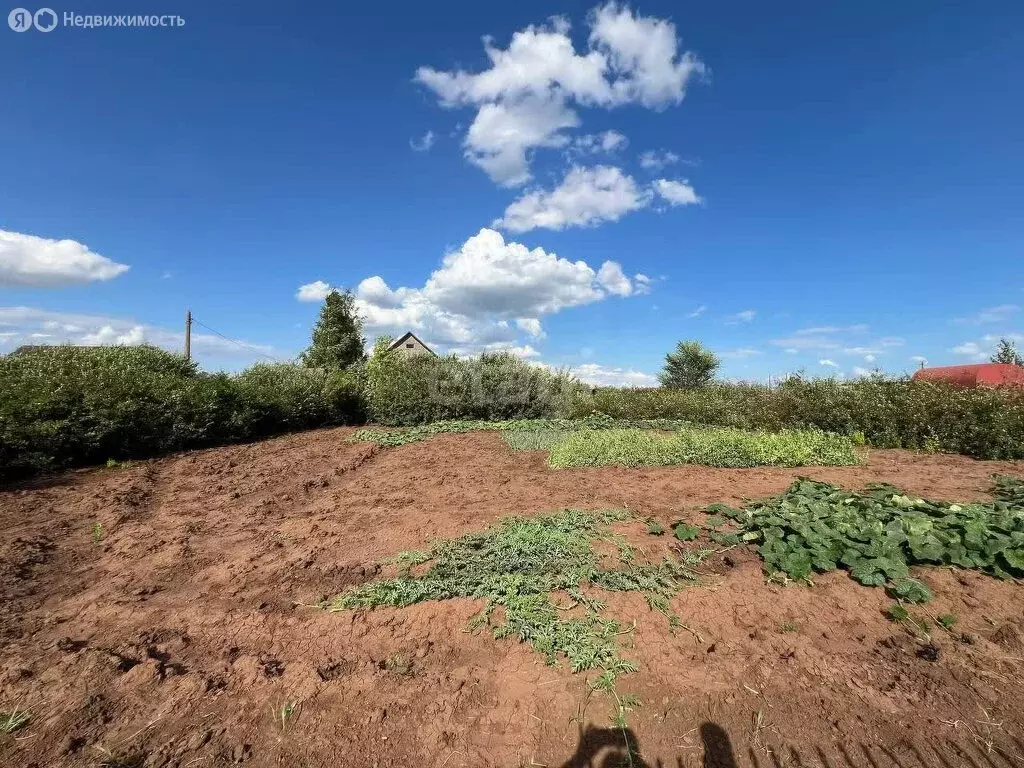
(1007, 353)
(338, 337)
(691, 366)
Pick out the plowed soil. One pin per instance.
(163, 614)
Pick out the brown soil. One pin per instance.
(178, 636)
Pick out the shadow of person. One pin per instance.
(717, 747)
(606, 748)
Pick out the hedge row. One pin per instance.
(67, 406)
(888, 413)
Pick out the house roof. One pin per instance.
(984, 374)
(410, 335)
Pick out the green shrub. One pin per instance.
(711, 447)
(65, 406)
(276, 397)
(986, 423)
(420, 389)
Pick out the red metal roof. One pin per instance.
(983, 375)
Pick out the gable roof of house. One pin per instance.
(410, 335)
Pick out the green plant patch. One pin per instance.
(14, 720)
(520, 434)
(879, 533)
(516, 567)
(685, 532)
(715, 447)
(532, 439)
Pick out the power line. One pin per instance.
(242, 344)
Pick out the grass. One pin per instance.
(518, 566)
(14, 720)
(533, 439)
(284, 714)
(97, 533)
(715, 447)
(391, 437)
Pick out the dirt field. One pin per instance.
(178, 636)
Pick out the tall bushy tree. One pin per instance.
(1007, 353)
(691, 366)
(338, 337)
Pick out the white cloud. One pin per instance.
(999, 314)
(825, 329)
(586, 196)
(525, 351)
(523, 98)
(657, 159)
(982, 350)
(485, 293)
(828, 363)
(642, 284)
(920, 359)
(594, 143)
(613, 279)
(39, 262)
(590, 196)
(315, 291)
(28, 325)
(830, 339)
(970, 348)
(698, 311)
(993, 339)
(502, 134)
(741, 353)
(602, 376)
(530, 325)
(859, 371)
(424, 143)
(745, 316)
(676, 192)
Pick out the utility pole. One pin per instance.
(188, 334)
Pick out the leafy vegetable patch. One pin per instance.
(879, 533)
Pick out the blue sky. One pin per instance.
(817, 186)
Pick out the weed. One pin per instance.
(521, 434)
(715, 447)
(14, 720)
(97, 533)
(516, 565)
(284, 714)
(532, 439)
(878, 533)
(947, 621)
(788, 626)
(114, 463)
(655, 528)
(897, 613)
